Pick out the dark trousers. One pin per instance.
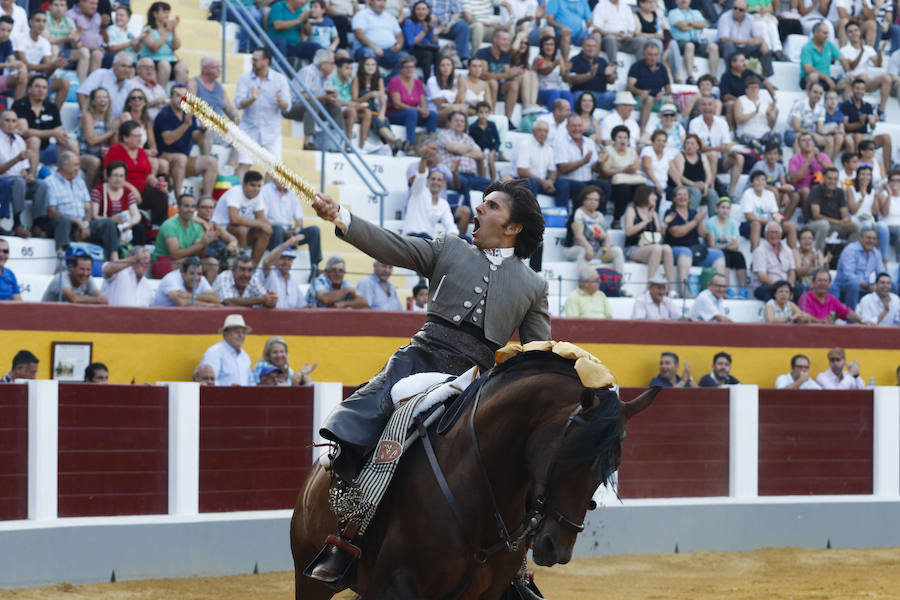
(763, 293)
(300, 50)
(560, 196)
(459, 33)
(342, 24)
(387, 59)
(157, 203)
(576, 187)
(787, 27)
(104, 232)
(468, 182)
(621, 195)
(311, 237)
(426, 58)
(360, 419)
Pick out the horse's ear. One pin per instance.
(630, 409)
(587, 399)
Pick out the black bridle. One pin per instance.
(542, 508)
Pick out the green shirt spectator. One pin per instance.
(280, 11)
(174, 228)
(342, 87)
(59, 29)
(820, 61)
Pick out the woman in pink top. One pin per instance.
(407, 104)
(805, 167)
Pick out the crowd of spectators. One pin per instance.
(644, 160)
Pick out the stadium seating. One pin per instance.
(34, 261)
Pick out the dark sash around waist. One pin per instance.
(466, 338)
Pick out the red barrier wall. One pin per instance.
(815, 442)
(254, 447)
(13, 451)
(113, 450)
(677, 448)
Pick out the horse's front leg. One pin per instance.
(400, 586)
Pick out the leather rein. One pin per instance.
(533, 518)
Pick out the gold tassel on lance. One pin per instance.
(231, 133)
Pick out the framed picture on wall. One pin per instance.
(69, 359)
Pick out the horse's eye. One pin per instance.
(592, 505)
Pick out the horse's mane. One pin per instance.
(536, 361)
(595, 436)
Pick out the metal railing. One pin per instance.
(323, 120)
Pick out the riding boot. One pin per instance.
(335, 565)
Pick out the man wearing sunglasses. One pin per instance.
(9, 286)
(739, 32)
(835, 378)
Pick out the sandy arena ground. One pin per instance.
(770, 574)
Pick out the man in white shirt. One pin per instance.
(278, 276)
(427, 212)
(556, 120)
(34, 50)
(860, 56)
(284, 212)
(242, 212)
(835, 378)
(718, 145)
(798, 378)
(881, 306)
(118, 81)
(535, 162)
(17, 175)
(613, 20)
(379, 32)
(576, 158)
(263, 95)
(228, 359)
(145, 80)
(124, 281)
(773, 261)
(625, 104)
(654, 304)
(759, 207)
(186, 287)
(18, 15)
(708, 305)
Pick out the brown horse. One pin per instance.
(545, 441)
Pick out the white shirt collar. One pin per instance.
(496, 255)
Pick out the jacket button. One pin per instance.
(474, 319)
(485, 278)
(493, 267)
(467, 304)
(478, 289)
(478, 310)
(456, 318)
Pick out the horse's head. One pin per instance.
(588, 452)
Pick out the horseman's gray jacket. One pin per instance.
(463, 284)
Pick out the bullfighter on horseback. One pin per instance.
(478, 297)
